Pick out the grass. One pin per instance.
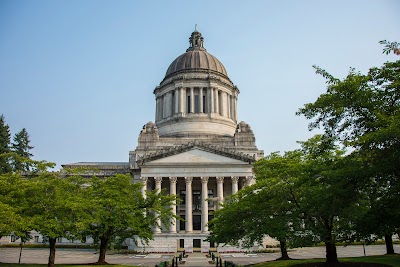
(59, 265)
(392, 260)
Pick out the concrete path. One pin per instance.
(77, 256)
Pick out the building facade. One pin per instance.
(195, 149)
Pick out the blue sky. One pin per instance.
(80, 75)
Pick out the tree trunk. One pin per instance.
(331, 255)
(284, 253)
(389, 244)
(52, 255)
(20, 253)
(103, 250)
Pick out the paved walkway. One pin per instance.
(77, 256)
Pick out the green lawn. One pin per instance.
(393, 260)
(57, 265)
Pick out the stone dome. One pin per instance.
(196, 58)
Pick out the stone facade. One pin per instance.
(195, 149)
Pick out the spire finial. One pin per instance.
(196, 40)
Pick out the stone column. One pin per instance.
(235, 187)
(220, 190)
(176, 101)
(228, 105)
(181, 101)
(157, 228)
(189, 205)
(250, 180)
(165, 105)
(172, 191)
(204, 204)
(144, 187)
(157, 108)
(211, 100)
(191, 99)
(201, 100)
(223, 104)
(235, 109)
(216, 106)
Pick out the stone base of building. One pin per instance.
(168, 243)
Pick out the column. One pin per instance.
(172, 191)
(250, 180)
(211, 100)
(216, 105)
(176, 101)
(144, 187)
(223, 104)
(157, 228)
(201, 100)
(235, 187)
(235, 109)
(157, 107)
(220, 190)
(189, 207)
(164, 110)
(181, 100)
(204, 204)
(191, 99)
(228, 105)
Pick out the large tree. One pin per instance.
(57, 206)
(119, 211)
(21, 148)
(306, 195)
(362, 111)
(4, 146)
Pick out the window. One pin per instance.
(188, 104)
(36, 239)
(59, 240)
(13, 238)
(196, 222)
(181, 243)
(182, 223)
(197, 243)
(204, 104)
(196, 104)
(183, 197)
(196, 200)
(210, 195)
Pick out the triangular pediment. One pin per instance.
(200, 151)
(196, 156)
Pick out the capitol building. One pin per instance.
(195, 148)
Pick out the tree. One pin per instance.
(57, 207)
(4, 146)
(119, 211)
(309, 195)
(363, 112)
(263, 209)
(22, 149)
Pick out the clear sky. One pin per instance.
(80, 75)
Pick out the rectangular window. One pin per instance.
(196, 200)
(36, 239)
(196, 222)
(197, 243)
(210, 195)
(183, 197)
(204, 104)
(188, 104)
(196, 104)
(182, 223)
(13, 238)
(181, 243)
